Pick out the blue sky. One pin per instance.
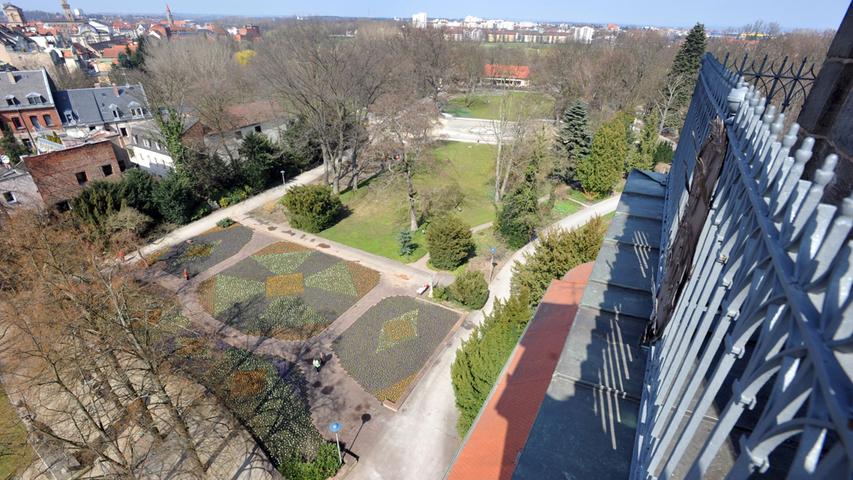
(817, 14)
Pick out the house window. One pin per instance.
(258, 128)
(28, 143)
(69, 117)
(157, 145)
(136, 112)
(48, 120)
(146, 142)
(63, 206)
(10, 102)
(136, 139)
(238, 134)
(123, 131)
(34, 120)
(18, 124)
(9, 197)
(81, 177)
(107, 169)
(34, 100)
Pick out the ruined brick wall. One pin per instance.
(56, 173)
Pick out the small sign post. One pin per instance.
(335, 428)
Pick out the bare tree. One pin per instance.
(429, 53)
(468, 63)
(667, 101)
(331, 83)
(403, 133)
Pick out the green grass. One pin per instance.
(487, 106)
(15, 452)
(379, 210)
(565, 207)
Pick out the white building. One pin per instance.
(419, 20)
(148, 151)
(583, 34)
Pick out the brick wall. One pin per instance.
(56, 173)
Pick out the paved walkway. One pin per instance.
(200, 226)
(418, 443)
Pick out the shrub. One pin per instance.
(225, 222)
(557, 253)
(312, 208)
(234, 197)
(470, 289)
(137, 190)
(439, 201)
(407, 246)
(97, 202)
(128, 219)
(176, 200)
(440, 293)
(449, 242)
(663, 153)
(481, 358)
(324, 465)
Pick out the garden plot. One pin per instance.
(206, 250)
(285, 291)
(386, 348)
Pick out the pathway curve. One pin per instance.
(420, 440)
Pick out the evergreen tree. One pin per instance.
(176, 200)
(643, 152)
(602, 169)
(573, 142)
(12, 147)
(519, 214)
(682, 77)
(138, 191)
(97, 202)
(449, 242)
(262, 161)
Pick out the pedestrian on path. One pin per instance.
(186, 275)
(317, 364)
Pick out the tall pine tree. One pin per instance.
(519, 214)
(676, 92)
(573, 142)
(602, 169)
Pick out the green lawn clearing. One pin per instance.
(15, 452)
(378, 210)
(487, 106)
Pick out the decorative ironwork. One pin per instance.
(753, 372)
(787, 82)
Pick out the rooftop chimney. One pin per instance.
(116, 91)
(11, 75)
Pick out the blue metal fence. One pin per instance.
(752, 373)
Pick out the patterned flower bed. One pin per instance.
(386, 348)
(285, 291)
(206, 250)
(268, 397)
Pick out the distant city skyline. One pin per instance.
(816, 14)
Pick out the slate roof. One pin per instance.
(93, 106)
(586, 424)
(26, 82)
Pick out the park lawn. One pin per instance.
(566, 207)
(378, 211)
(487, 106)
(15, 452)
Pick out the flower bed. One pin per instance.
(285, 291)
(205, 250)
(386, 348)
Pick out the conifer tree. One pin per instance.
(642, 154)
(678, 87)
(599, 172)
(519, 214)
(573, 142)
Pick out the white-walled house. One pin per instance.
(147, 149)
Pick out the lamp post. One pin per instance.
(335, 428)
(283, 181)
(493, 251)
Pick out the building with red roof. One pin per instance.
(506, 75)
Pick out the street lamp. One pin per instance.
(283, 181)
(493, 251)
(335, 428)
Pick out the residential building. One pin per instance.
(419, 20)
(19, 50)
(506, 75)
(583, 34)
(28, 106)
(18, 190)
(61, 175)
(224, 134)
(147, 149)
(14, 15)
(113, 108)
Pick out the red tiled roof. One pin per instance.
(521, 72)
(502, 428)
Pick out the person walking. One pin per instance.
(316, 363)
(186, 275)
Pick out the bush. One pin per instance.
(440, 201)
(176, 199)
(602, 169)
(449, 242)
(234, 197)
(137, 190)
(663, 153)
(128, 219)
(97, 202)
(324, 465)
(312, 208)
(225, 222)
(557, 253)
(441, 293)
(481, 358)
(470, 289)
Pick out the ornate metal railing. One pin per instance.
(752, 373)
(785, 82)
